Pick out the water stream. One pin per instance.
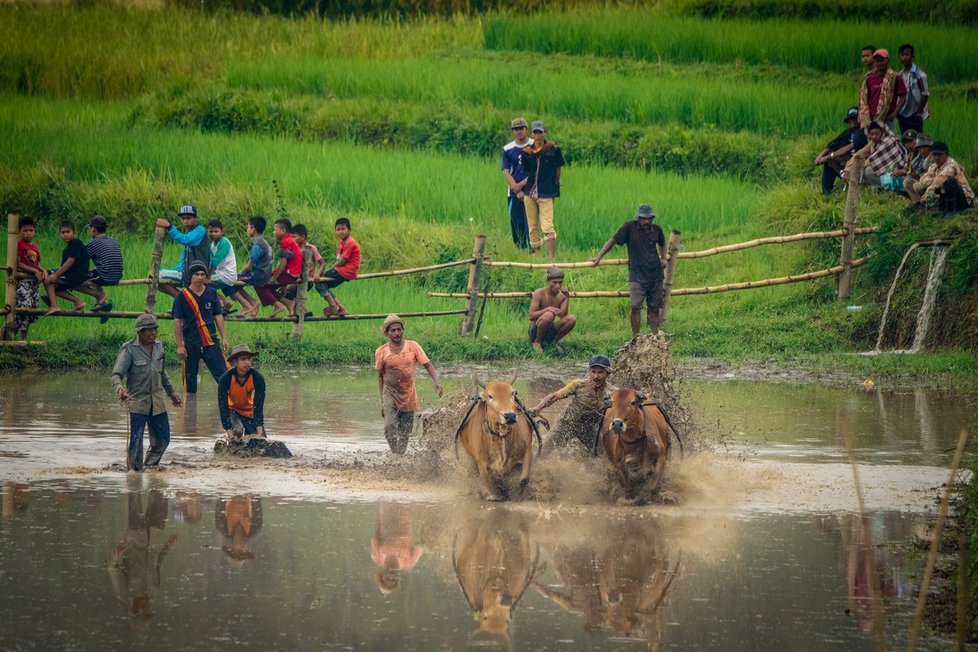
(935, 273)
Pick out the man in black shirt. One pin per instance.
(646, 260)
(839, 150)
(197, 320)
(72, 273)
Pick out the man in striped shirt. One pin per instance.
(107, 257)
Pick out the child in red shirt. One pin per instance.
(288, 272)
(29, 264)
(345, 269)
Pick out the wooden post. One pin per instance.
(844, 279)
(10, 287)
(155, 261)
(301, 291)
(675, 238)
(475, 275)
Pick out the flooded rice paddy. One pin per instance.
(344, 547)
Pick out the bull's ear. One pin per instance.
(478, 382)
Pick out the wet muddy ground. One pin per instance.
(759, 544)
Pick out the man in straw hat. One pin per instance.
(549, 321)
(394, 363)
(583, 415)
(141, 362)
(241, 396)
(646, 259)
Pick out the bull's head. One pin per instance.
(497, 608)
(500, 399)
(625, 410)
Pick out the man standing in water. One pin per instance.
(645, 266)
(583, 416)
(394, 363)
(197, 319)
(142, 363)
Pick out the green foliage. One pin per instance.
(951, 12)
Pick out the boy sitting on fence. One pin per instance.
(224, 268)
(258, 270)
(28, 262)
(288, 271)
(345, 269)
(72, 273)
(106, 255)
(196, 249)
(311, 256)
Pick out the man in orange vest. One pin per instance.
(241, 396)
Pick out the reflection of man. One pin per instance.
(583, 416)
(238, 518)
(136, 560)
(392, 547)
(549, 321)
(188, 508)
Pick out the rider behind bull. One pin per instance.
(583, 416)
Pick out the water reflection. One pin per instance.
(392, 547)
(238, 518)
(188, 507)
(136, 560)
(16, 498)
(616, 579)
(494, 563)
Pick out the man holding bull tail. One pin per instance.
(583, 416)
(395, 363)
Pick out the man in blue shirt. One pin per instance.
(196, 249)
(516, 178)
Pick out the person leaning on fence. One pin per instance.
(839, 150)
(542, 161)
(258, 270)
(72, 273)
(395, 363)
(549, 321)
(197, 320)
(29, 264)
(241, 396)
(646, 245)
(516, 178)
(141, 363)
(944, 187)
(106, 255)
(196, 249)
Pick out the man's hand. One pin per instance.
(595, 261)
(181, 351)
(438, 389)
(224, 346)
(123, 395)
(162, 223)
(228, 434)
(664, 262)
(177, 401)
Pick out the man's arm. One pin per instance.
(178, 338)
(259, 401)
(224, 412)
(901, 100)
(219, 321)
(430, 368)
(61, 270)
(119, 371)
(380, 386)
(563, 305)
(547, 401)
(536, 311)
(605, 249)
(191, 237)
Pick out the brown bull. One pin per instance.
(494, 564)
(637, 440)
(497, 435)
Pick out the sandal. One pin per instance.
(103, 307)
(329, 312)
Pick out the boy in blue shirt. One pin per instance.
(258, 270)
(196, 249)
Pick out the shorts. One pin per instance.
(228, 290)
(174, 275)
(547, 339)
(650, 293)
(331, 279)
(95, 278)
(63, 286)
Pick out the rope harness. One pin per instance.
(644, 435)
(477, 398)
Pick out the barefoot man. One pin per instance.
(549, 321)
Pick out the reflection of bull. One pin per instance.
(637, 440)
(494, 566)
(496, 433)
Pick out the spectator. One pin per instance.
(837, 153)
(345, 268)
(918, 166)
(883, 153)
(516, 178)
(197, 320)
(196, 249)
(893, 178)
(288, 272)
(72, 273)
(866, 57)
(914, 110)
(883, 92)
(944, 187)
(258, 270)
(29, 263)
(106, 254)
(223, 267)
(542, 162)
(549, 321)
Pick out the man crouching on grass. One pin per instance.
(549, 321)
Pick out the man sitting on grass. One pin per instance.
(549, 321)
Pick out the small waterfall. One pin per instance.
(935, 272)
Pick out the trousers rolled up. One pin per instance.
(397, 428)
(539, 220)
(159, 439)
(212, 356)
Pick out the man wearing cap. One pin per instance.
(241, 396)
(106, 254)
(196, 248)
(944, 186)
(646, 259)
(196, 313)
(882, 94)
(549, 321)
(837, 153)
(918, 166)
(583, 415)
(142, 363)
(516, 178)
(395, 363)
(882, 154)
(542, 161)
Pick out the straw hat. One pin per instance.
(391, 319)
(240, 349)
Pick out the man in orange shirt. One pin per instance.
(241, 396)
(394, 363)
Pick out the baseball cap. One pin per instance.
(910, 134)
(517, 123)
(599, 361)
(537, 125)
(924, 141)
(882, 52)
(851, 114)
(187, 209)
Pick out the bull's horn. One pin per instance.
(516, 374)
(478, 382)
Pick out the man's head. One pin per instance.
(215, 230)
(909, 138)
(66, 230)
(644, 216)
(393, 328)
(198, 274)
(147, 328)
(539, 132)
(598, 368)
(27, 228)
(852, 117)
(518, 127)
(881, 60)
(300, 234)
(555, 279)
(939, 152)
(256, 225)
(924, 145)
(906, 54)
(240, 358)
(282, 228)
(342, 228)
(188, 216)
(98, 225)
(867, 55)
(874, 131)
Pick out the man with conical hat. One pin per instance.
(549, 321)
(395, 363)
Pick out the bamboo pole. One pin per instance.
(114, 314)
(588, 263)
(844, 279)
(415, 270)
(155, 261)
(675, 238)
(10, 287)
(472, 290)
(302, 291)
(119, 314)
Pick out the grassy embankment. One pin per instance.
(400, 126)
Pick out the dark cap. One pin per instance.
(98, 222)
(852, 114)
(923, 140)
(599, 361)
(645, 212)
(910, 134)
(517, 123)
(940, 147)
(197, 266)
(554, 272)
(537, 125)
(187, 209)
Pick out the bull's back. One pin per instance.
(655, 420)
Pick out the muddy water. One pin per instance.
(344, 548)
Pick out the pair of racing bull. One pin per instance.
(497, 432)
